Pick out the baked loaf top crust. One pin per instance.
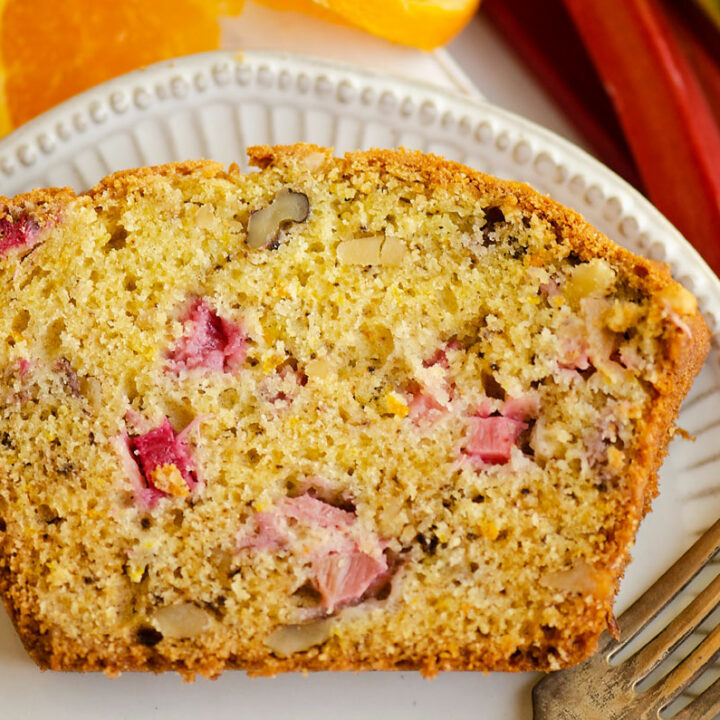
(374, 412)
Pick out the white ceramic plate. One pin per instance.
(214, 105)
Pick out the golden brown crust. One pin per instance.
(53, 650)
(50, 648)
(40, 198)
(125, 181)
(44, 200)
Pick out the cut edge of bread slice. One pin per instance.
(52, 647)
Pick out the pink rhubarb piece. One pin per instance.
(311, 511)
(439, 357)
(574, 354)
(24, 367)
(521, 408)
(341, 571)
(17, 233)
(270, 533)
(212, 342)
(491, 439)
(423, 405)
(344, 577)
(162, 446)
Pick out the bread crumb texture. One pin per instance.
(408, 416)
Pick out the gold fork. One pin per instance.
(597, 690)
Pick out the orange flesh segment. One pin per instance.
(424, 24)
(307, 7)
(81, 43)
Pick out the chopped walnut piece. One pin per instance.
(581, 578)
(318, 368)
(373, 250)
(265, 224)
(360, 251)
(205, 218)
(393, 251)
(314, 161)
(590, 279)
(181, 621)
(289, 639)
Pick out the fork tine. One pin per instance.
(651, 655)
(687, 671)
(704, 706)
(648, 605)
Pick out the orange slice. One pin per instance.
(424, 24)
(79, 43)
(307, 7)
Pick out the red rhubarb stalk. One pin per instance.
(542, 34)
(666, 118)
(705, 65)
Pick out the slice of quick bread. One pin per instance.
(375, 412)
